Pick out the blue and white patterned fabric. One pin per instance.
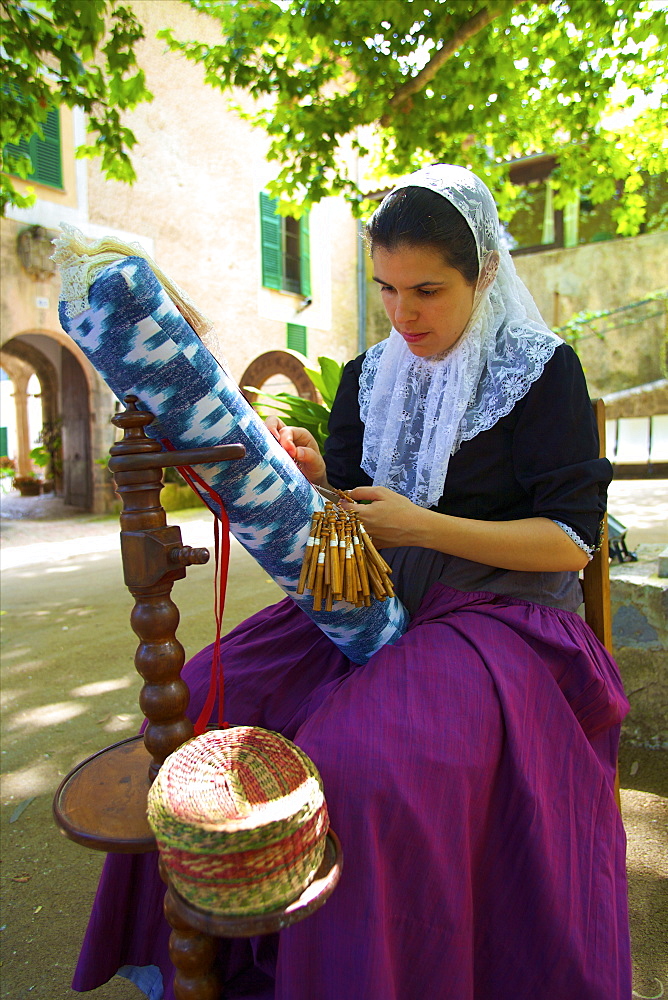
(139, 343)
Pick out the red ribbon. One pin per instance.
(222, 562)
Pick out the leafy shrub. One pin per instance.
(299, 412)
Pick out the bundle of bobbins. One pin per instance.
(341, 563)
(240, 818)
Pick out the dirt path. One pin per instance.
(69, 688)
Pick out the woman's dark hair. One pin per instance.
(418, 217)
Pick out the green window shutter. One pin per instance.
(270, 232)
(44, 153)
(21, 148)
(17, 149)
(305, 253)
(297, 338)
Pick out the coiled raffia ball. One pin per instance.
(240, 819)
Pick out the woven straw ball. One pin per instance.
(240, 819)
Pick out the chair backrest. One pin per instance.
(596, 576)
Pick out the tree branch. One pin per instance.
(471, 27)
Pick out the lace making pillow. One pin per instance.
(138, 341)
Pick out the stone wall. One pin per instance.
(639, 599)
(641, 401)
(601, 276)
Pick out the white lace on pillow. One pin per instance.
(79, 259)
(417, 411)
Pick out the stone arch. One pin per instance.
(43, 368)
(66, 397)
(20, 360)
(288, 363)
(62, 338)
(20, 373)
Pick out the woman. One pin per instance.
(469, 767)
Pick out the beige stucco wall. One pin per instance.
(605, 276)
(200, 169)
(195, 207)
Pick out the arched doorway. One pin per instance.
(65, 405)
(23, 364)
(18, 422)
(288, 364)
(77, 459)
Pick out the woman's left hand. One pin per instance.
(390, 518)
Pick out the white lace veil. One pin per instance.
(417, 411)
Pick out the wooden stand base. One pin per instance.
(192, 943)
(102, 802)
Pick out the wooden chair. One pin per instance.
(596, 575)
(102, 803)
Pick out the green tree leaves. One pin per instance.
(447, 80)
(77, 53)
(407, 82)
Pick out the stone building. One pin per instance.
(199, 207)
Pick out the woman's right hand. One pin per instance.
(301, 446)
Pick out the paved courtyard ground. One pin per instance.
(69, 688)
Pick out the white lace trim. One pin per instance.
(417, 411)
(589, 549)
(80, 259)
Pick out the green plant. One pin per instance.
(172, 475)
(40, 456)
(326, 378)
(50, 441)
(29, 486)
(304, 412)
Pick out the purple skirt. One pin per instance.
(468, 771)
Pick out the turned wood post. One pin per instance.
(192, 952)
(153, 558)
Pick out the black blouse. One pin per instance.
(541, 460)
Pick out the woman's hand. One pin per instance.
(532, 544)
(390, 518)
(301, 446)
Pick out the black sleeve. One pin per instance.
(555, 448)
(343, 447)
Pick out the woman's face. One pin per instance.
(427, 302)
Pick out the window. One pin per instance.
(285, 249)
(297, 338)
(44, 153)
(535, 224)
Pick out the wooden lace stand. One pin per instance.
(101, 803)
